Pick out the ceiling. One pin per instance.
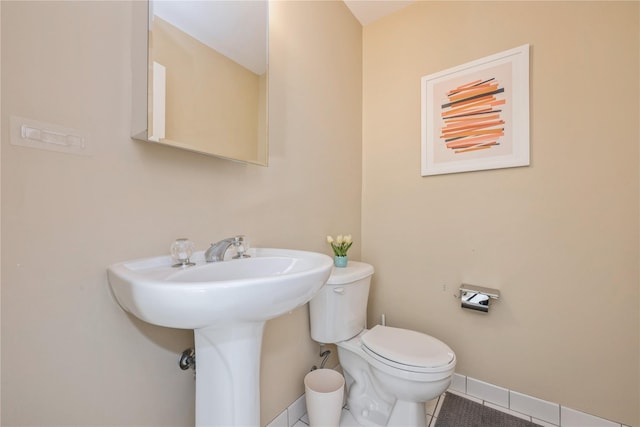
(367, 11)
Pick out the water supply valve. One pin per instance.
(188, 359)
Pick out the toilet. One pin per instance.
(390, 372)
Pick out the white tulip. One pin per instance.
(329, 239)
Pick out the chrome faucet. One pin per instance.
(217, 250)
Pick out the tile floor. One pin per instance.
(546, 414)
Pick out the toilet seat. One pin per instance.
(407, 350)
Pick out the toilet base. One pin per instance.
(403, 413)
(408, 414)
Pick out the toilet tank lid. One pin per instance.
(354, 271)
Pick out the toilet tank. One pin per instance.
(339, 310)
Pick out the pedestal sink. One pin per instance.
(226, 303)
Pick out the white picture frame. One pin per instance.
(476, 116)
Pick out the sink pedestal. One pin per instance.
(228, 374)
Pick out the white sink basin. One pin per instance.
(270, 283)
(226, 303)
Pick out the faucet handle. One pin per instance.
(181, 251)
(241, 245)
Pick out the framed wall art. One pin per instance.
(476, 116)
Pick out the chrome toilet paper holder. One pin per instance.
(477, 297)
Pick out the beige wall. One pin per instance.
(70, 355)
(558, 238)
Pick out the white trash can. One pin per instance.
(324, 393)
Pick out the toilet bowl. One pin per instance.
(390, 372)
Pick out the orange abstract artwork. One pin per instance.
(472, 116)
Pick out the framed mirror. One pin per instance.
(202, 83)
